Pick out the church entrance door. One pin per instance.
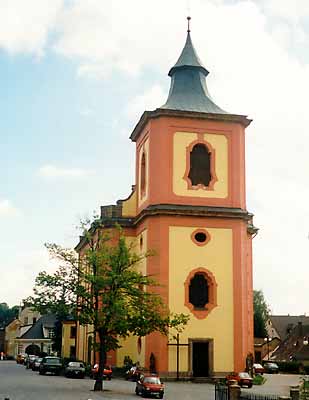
(200, 359)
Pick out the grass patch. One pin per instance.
(259, 380)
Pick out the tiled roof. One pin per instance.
(285, 323)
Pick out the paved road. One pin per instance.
(276, 384)
(17, 383)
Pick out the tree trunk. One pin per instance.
(98, 385)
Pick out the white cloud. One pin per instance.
(22, 269)
(51, 171)
(25, 24)
(150, 100)
(7, 209)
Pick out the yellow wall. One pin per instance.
(185, 256)
(220, 144)
(145, 149)
(129, 206)
(67, 341)
(129, 345)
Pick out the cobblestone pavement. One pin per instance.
(17, 383)
(276, 384)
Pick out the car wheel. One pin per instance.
(144, 393)
(250, 386)
(161, 395)
(41, 372)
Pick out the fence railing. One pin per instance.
(221, 392)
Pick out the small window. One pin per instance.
(143, 175)
(141, 243)
(34, 320)
(199, 173)
(200, 237)
(72, 351)
(139, 345)
(198, 291)
(51, 333)
(73, 332)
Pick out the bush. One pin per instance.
(291, 367)
(259, 380)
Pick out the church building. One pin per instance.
(189, 206)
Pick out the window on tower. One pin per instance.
(199, 173)
(143, 175)
(198, 291)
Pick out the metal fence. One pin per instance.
(254, 396)
(221, 392)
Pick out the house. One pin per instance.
(68, 344)
(294, 345)
(189, 206)
(38, 338)
(12, 331)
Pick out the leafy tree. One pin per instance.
(7, 314)
(105, 290)
(56, 293)
(261, 313)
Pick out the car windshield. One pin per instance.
(75, 364)
(52, 360)
(271, 365)
(38, 360)
(244, 375)
(152, 379)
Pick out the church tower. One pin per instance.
(191, 205)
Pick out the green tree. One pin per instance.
(7, 314)
(106, 290)
(261, 313)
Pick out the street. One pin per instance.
(18, 383)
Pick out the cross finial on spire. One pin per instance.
(188, 18)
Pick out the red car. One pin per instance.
(258, 369)
(242, 378)
(107, 372)
(149, 385)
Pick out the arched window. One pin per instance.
(200, 165)
(198, 291)
(143, 175)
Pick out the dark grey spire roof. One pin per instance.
(188, 91)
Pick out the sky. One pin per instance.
(77, 74)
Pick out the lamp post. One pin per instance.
(267, 340)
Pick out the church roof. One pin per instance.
(188, 90)
(188, 58)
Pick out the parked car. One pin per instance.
(20, 358)
(242, 378)
(149, 385)
(75, 369)
(50, 364)
(107, 372)
(258, 369)
(271, 368)
(36, 364)
(30, 360)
